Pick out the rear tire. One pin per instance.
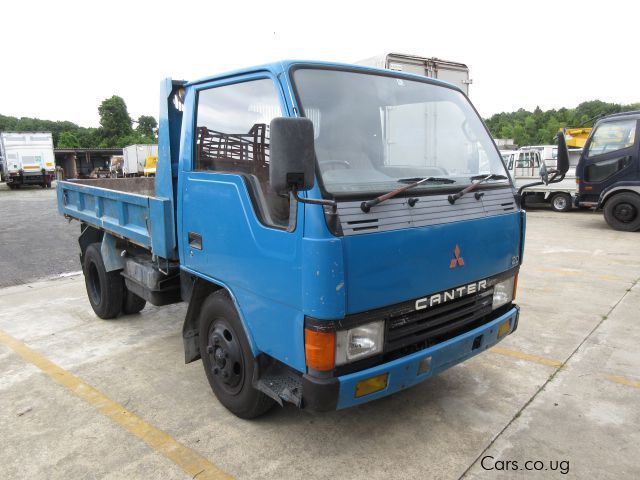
(561, 202)
(227, 358)
(622, 212)
(104, 289)
(132, 303)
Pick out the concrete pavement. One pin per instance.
(35, 241)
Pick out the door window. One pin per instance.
(596, 172)
(232, 135)
(612, 136)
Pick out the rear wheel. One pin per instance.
(227, 358)
(132, 303)
(104, 289)
(622, 212)
(561, 202)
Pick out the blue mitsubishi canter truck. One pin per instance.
(339, 232)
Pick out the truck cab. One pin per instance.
(608, 172)
(339, 232)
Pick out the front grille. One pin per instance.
(423, 328)
(408, 330)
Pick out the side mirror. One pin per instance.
(292, 156)
(544, 174)
(562, 164)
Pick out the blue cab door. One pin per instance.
(235, 231)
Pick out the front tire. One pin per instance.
(104, 289)
(622, 212)
(561, 202)
(227, 358)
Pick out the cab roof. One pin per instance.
(283, 66)
(632, 115)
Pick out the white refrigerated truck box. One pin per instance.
(453, 72)
(134, 157)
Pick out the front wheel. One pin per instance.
(622, 212)
(561, 202)
(227, 358)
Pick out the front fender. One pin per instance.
(628, 186)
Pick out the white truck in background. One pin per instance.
(452, 72)
(28, 159)
(524, 167)
(549, 154)
(135, 158)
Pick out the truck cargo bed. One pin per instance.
(138, 185)
(125, 207)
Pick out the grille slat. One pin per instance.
(434, 209)
(424, 326)
(422, 315)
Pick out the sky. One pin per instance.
(61, 59)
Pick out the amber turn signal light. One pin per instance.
(320, 349)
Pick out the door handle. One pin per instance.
(195, 240)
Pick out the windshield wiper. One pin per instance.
(430, 179)
(494, 176)
(366, 206)
(481, 179)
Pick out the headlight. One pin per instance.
(359, 342)
(503, 292)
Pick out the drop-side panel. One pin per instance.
(139, 218)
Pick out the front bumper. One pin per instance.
(30, 178)
(337, 393)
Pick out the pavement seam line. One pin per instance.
(547, 381)
(188, 460)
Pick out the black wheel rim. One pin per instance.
(94, 284)
(625, 212)
(225, 357)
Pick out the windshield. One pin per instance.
(372, 131)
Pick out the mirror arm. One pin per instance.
(554, 179)
(534, 184)
(313, 201)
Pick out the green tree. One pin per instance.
(68, 140)
(520, 136)
(506, 131)
(540, 126)
(147, 126)
(114, 119)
